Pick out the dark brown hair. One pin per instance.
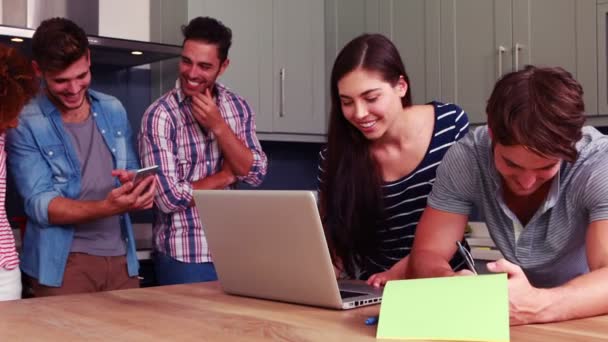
(540, 108)
(18, 83)
(211, 31)
(351, 201)
(58, 43)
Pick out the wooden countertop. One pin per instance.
(202, 312)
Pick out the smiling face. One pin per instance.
(200, 66)
(522, 170)
(67, 88)
(370, 103)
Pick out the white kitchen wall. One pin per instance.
(125, 19)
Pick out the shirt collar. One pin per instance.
(553, 194)
(48, 107)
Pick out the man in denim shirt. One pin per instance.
(69, 158)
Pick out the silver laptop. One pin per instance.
(270, 244)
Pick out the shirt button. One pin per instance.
(51, 153)
(208, 162)
(94, 114)
(113, 150)
(119, 133)
(103, 131)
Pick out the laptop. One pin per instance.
(271, 245)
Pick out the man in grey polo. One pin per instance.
(540, 179)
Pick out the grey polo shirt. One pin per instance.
(551, 247)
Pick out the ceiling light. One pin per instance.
(17, 40)
(137, 53)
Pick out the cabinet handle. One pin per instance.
(518, 47)
(501, 51)
(282, 93)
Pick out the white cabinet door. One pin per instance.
(475, 47)
(299, 67)
(249, 73)
(559, 33)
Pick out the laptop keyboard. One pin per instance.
(349, 294)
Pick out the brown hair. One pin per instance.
(18, 83)
(539, 108)
(58, 43)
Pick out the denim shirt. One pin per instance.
(44, 165)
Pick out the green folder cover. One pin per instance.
(460, 308)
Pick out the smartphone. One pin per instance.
(144, 173)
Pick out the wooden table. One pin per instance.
(202, 312)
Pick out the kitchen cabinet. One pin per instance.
(413, 26)
(602, 58)
(481, 40)
(277, 62)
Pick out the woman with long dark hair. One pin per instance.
(379, 163)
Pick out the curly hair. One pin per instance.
(18, 83)
(209, 30)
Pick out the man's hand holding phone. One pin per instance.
(137, 190)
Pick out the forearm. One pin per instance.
(236, 154)
(216, 181)
(401, 267)
(63, 210)
(219, 180)
(427, 264)
(584, 296)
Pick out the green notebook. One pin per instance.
(465, 308)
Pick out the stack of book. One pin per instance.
(482, 246)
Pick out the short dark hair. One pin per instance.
(540, 108)
(58, 43)
(18, 83)
(211, 31)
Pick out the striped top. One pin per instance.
(8, 254)
(551, 247)
(185, 152)
(405, 198)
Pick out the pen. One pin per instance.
(468, 259)
(371, 320)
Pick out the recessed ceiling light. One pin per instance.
(17, 40)
(137, 53)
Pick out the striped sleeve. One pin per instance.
(246, 133)
(456, 181)
(321, 170)
(8, 254)
(157, 147)
(461, 121)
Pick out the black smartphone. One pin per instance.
(144, 173)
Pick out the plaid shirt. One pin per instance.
(171, 138)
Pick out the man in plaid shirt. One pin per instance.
(202, 136)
